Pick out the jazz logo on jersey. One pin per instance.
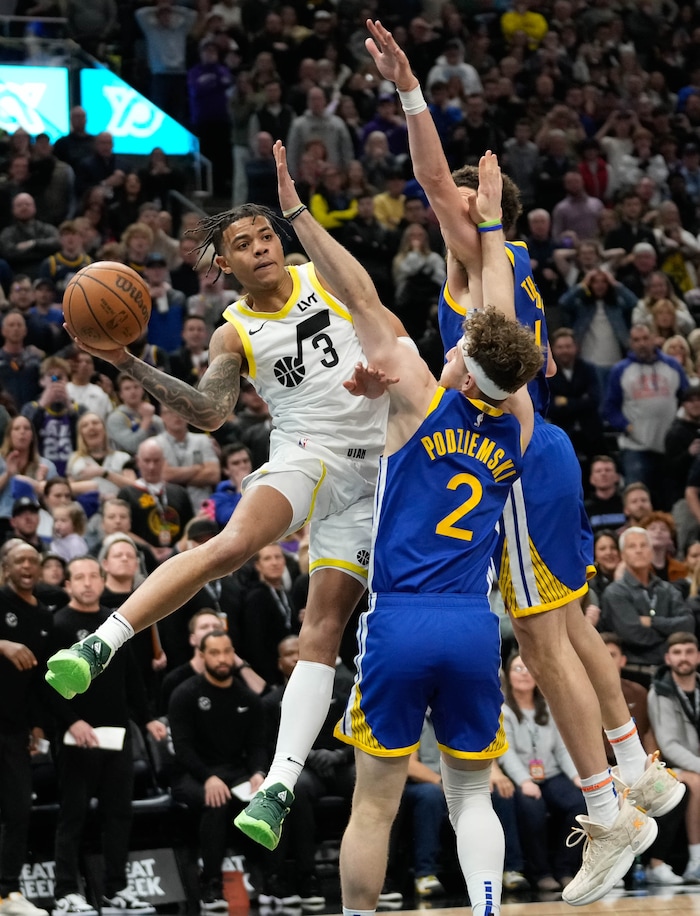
(290, 370)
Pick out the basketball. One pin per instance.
(106, 305)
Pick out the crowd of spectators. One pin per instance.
(594, 110)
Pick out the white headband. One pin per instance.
(486, 385)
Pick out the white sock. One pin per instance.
(694, 852)
(347, 911)
(115, 630)
(601, 798)
(627, 746)
(305, 705)
(480, 840)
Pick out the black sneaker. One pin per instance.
(310, 891)
(126, 901)
(277, 892)
(212, 899)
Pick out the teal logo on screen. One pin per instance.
(34, 99)
(136, 124)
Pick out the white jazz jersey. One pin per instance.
(298, 359)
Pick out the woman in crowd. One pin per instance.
(679, 348)
(606, 558)
(664, 321)
(658, 286)
(94, 466)
(547, 785)
(418, 273)
(690, 586)
(598, 310)
(20, 463)
(56, 492)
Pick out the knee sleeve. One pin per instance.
(464, 789)
(480, 840)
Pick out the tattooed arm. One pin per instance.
(209, 404)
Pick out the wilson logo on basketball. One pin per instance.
(135, 294)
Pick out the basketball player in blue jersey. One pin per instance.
(543, 555)
(429, 637)
(294, 339)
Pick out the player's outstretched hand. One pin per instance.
(487, 205)
(368, 382)
(116, 357)
(285, 185)
(391, 61)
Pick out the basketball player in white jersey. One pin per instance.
(295, 341)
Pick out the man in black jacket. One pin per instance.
(373, 246)
(24, 635)
(86, 768)
(575, 397)
(218, 734)
(682, 444)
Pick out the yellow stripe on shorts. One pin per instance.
(498, 746)
(551, 592)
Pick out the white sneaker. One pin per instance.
(126, 901)
(73, 905)
(657, 791)
(691, 874)
(662, 874)
(16, 904)
(609, 852)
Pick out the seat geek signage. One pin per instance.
(152, 874)
(135, 123)
(34, 99)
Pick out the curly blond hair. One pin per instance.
(505, 350)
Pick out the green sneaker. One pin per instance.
(263, 818)
(72, 670)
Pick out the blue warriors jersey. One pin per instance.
(440, 496)
(529, 310)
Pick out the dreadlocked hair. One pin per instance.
(213, 228)
(511, 208)
(505, 350)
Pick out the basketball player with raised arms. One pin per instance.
(294, 339)
(429, 638)
(544, 551)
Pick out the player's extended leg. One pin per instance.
(333, 595)
(652, 787)
(546, 649)
(614, 834)
(364, 850)
(480, 838)
(263, 515)
(602, 671)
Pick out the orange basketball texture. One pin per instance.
(106, 305)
